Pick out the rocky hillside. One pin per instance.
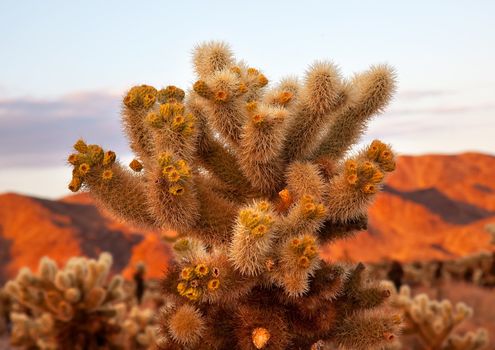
(432, 207)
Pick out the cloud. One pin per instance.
(460, 109)
(36, 132)
(40, 133)
(413, 95)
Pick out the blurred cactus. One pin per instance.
(69, 308)
(139, 284)
(254, 179)
(139, 329)
(490, 228)
(5, 308)
(478, 268)
(434, 322)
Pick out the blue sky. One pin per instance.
(63, 66)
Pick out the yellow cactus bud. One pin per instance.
(251, 106)
(173, 176)
(309, 208)
(186, 273)
(201, 270)
(178, 121)
(351, 165)
(248, 218)
(242, 88)
(164, 159)
(166, 110)
(109, 158)
(96, 154)
(295, 243)
(369, 188)
(236, 70)
(168, 169)
(176, 190)
(107, 174)
(262, 80)
(253, 71)
(377, 177)
(213, 284)
(352, 179)
(169, 93)
(202, 89)
(193, 293)
(154, 119)
(258, 119)
(221, 96)
(149, 100)
(264, 205)
(307, 239)
(183, 168)
(284, 97)
(303, 262)
(136, 165)
(259, 230)
(84, 168)
(310, 251)
(73, 158)
(181, 288)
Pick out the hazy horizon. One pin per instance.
(64, 67)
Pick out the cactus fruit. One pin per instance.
(254, 178)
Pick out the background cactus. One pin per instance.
(476, 268)
(70, 308)
(254, 179)
(434, 322)
(5, 306)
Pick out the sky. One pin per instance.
(65, 65)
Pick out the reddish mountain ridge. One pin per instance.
(433, 207)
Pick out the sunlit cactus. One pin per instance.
(254, 178)
(73, 307)
(434, 322)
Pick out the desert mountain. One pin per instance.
(31, 228)
(433, 207)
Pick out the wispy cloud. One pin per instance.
(460, 109)
(37, 132)
(413, 95)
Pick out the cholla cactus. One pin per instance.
(254, 179)
(434, 322)
(69, 308)
(139, 329)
